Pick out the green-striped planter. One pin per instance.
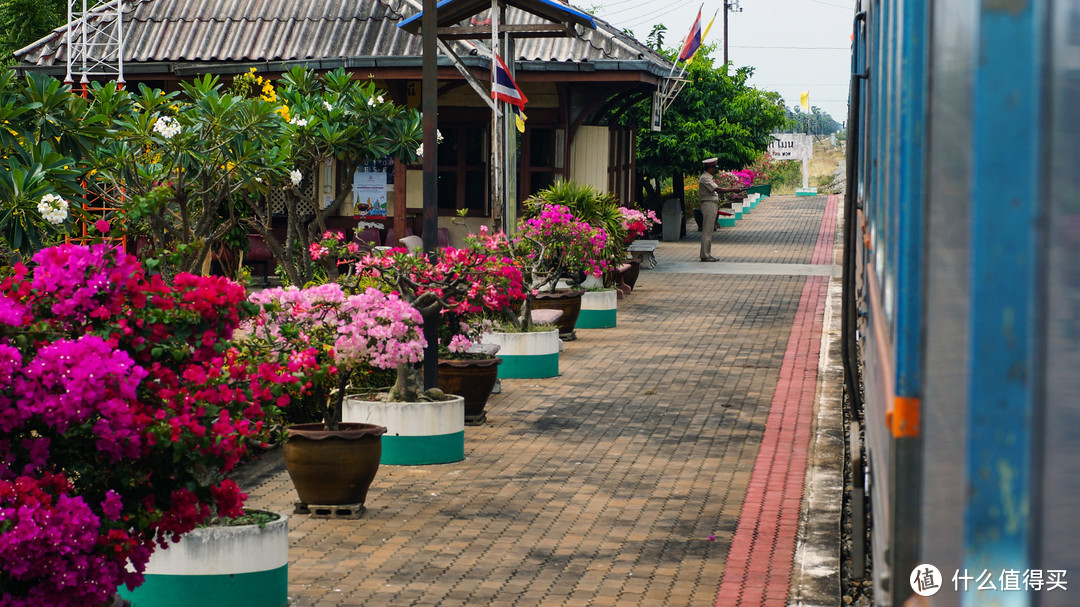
(416, 433)
(598, 310)
(737, 208)
(242, 566)
(764, 190)
(527, 355)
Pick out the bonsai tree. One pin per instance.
(327, 335)
(123, 405)
(591, 206)
(455, 282)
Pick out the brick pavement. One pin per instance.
(621, 482)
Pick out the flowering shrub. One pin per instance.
(325, 334)
(763, 168)
(122, 405)
(555, 244)
(462, 283)
(637, 223)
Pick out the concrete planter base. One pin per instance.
(598, 310)
(242, 566)
(527, 355)
(416, 433)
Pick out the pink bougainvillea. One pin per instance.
(122, 406)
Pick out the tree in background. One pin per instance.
(24, 21)
(814, 122)
(716, 114)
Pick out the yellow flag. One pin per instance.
(519, 118)
(804, 101)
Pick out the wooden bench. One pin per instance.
(645, 250)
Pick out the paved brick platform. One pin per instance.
(629, 479)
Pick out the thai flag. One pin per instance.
(504, 88)
(693, 40)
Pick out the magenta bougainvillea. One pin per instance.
(122, 406)
(637, 223)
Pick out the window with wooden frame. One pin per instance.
(463, 169)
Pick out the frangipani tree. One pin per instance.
(327, 118)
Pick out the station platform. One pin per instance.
(692, 455)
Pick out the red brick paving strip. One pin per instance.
(758, 568)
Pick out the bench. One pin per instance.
(645, 250)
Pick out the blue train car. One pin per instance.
(962, 297)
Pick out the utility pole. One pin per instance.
(735, 8)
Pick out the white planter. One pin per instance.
(598, 310)
(527, 355)
(242, 566)
(416, 432)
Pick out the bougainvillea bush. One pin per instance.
(448, 287)
(332, 335)
(122, 406)
(637, 223)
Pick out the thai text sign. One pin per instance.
(369, 194)
(791, 146)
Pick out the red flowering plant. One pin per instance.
(122, 407)
(460, 284)
(637, 223)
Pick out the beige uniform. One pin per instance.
(708, 192)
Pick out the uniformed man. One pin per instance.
(709, 193)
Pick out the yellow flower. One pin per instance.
(284, 112)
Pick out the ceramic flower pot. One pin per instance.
(219, 566)
(416, 432)
(527, 355)
(473, 380)
(333, 467)
(568, 302)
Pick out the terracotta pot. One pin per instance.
(333, 467)
(567, 301)
(471, 379)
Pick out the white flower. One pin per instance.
(371, 101)
(53, 209)
(296, 176)
(298, 121)
(326, 104)
(420, 151)
(379, 99)
(258, 179)
(167, 127)
(438, 136)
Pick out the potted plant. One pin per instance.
(555, 245)
(636, 223)
(327, 335)
(467, 367)
(124, 407)
(427, 426)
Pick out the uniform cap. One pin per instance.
(709, 162)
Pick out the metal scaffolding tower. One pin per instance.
(95, 41)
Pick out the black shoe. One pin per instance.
(710, 258)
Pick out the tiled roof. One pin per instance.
(164, 32)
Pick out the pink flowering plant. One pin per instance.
(450, 287)
(333, 335)
(637, 223)
(123, 405)
(556, 245)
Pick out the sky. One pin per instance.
(793, 45)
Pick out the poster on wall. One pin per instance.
(369, 194)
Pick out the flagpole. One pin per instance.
(497, 208)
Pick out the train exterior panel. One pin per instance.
(962, 296)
